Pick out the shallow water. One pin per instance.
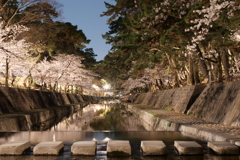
(102, 123)
(103, 117)
(134, 137)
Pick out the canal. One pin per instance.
(101, 123)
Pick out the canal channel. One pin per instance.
(103, 122)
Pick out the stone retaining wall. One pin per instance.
(24, 109)
(179, 99)
(216, 102)
(14, 100)
(219, 103)
(154, 123)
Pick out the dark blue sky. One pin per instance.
(86, 15)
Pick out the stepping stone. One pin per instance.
(223, 148)
(48, 148)
(84, 148)
(14, 148)
(237, 143)
(153, 148)
(188, 147)
(118, 148)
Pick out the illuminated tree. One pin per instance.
(13, 53)
(191, 40)
(65, 71)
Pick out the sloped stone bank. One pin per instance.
(179, 99)
(219, 103)
(23, 109)
(162, 120)
(216, 102)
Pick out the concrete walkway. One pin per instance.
(167, 120)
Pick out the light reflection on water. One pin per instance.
(134, 138)
(103, 117)
(70, 137)
(102, 123)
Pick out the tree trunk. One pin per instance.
(219, 69)
(190, 78)
(55, 87)
(235, 57)
(196, 74)
(201, 62)
(225, 63)
(176, 80)
(7, 72)
(175, 71)
(159, 84)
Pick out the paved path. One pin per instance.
(190, 120)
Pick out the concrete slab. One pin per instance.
(84, 148)
(153, 148)
(188, 148)
(118, 148)
(14, 148)
(223, 148)
(48, 148)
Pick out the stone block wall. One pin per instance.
(219, 103)
(24, 109)
(178, 99)
(215, 102)
(19, 100)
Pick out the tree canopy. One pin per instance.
(173, 43)
(156, 44)
(37, 50)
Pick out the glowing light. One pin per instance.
(106, 139)
(106, 86)
(95, 86)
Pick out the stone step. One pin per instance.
(84, 148)
(153, 148)
(14, 148)
(237, 143)
(188, 148)
(118, 148)
(223, 148)
(48, 148)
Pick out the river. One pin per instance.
(101, 123)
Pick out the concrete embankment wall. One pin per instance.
(151, 122)
(179, 99)
(216, 102)
(219, 103)
(18, 100)
(23, 109)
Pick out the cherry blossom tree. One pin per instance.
(212, 27)
(150, 80)
(194, 41)
(65, 71)
(13, 53)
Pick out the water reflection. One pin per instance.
(101, 117)
(102, 137)
(102, 123)
(70, 137)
